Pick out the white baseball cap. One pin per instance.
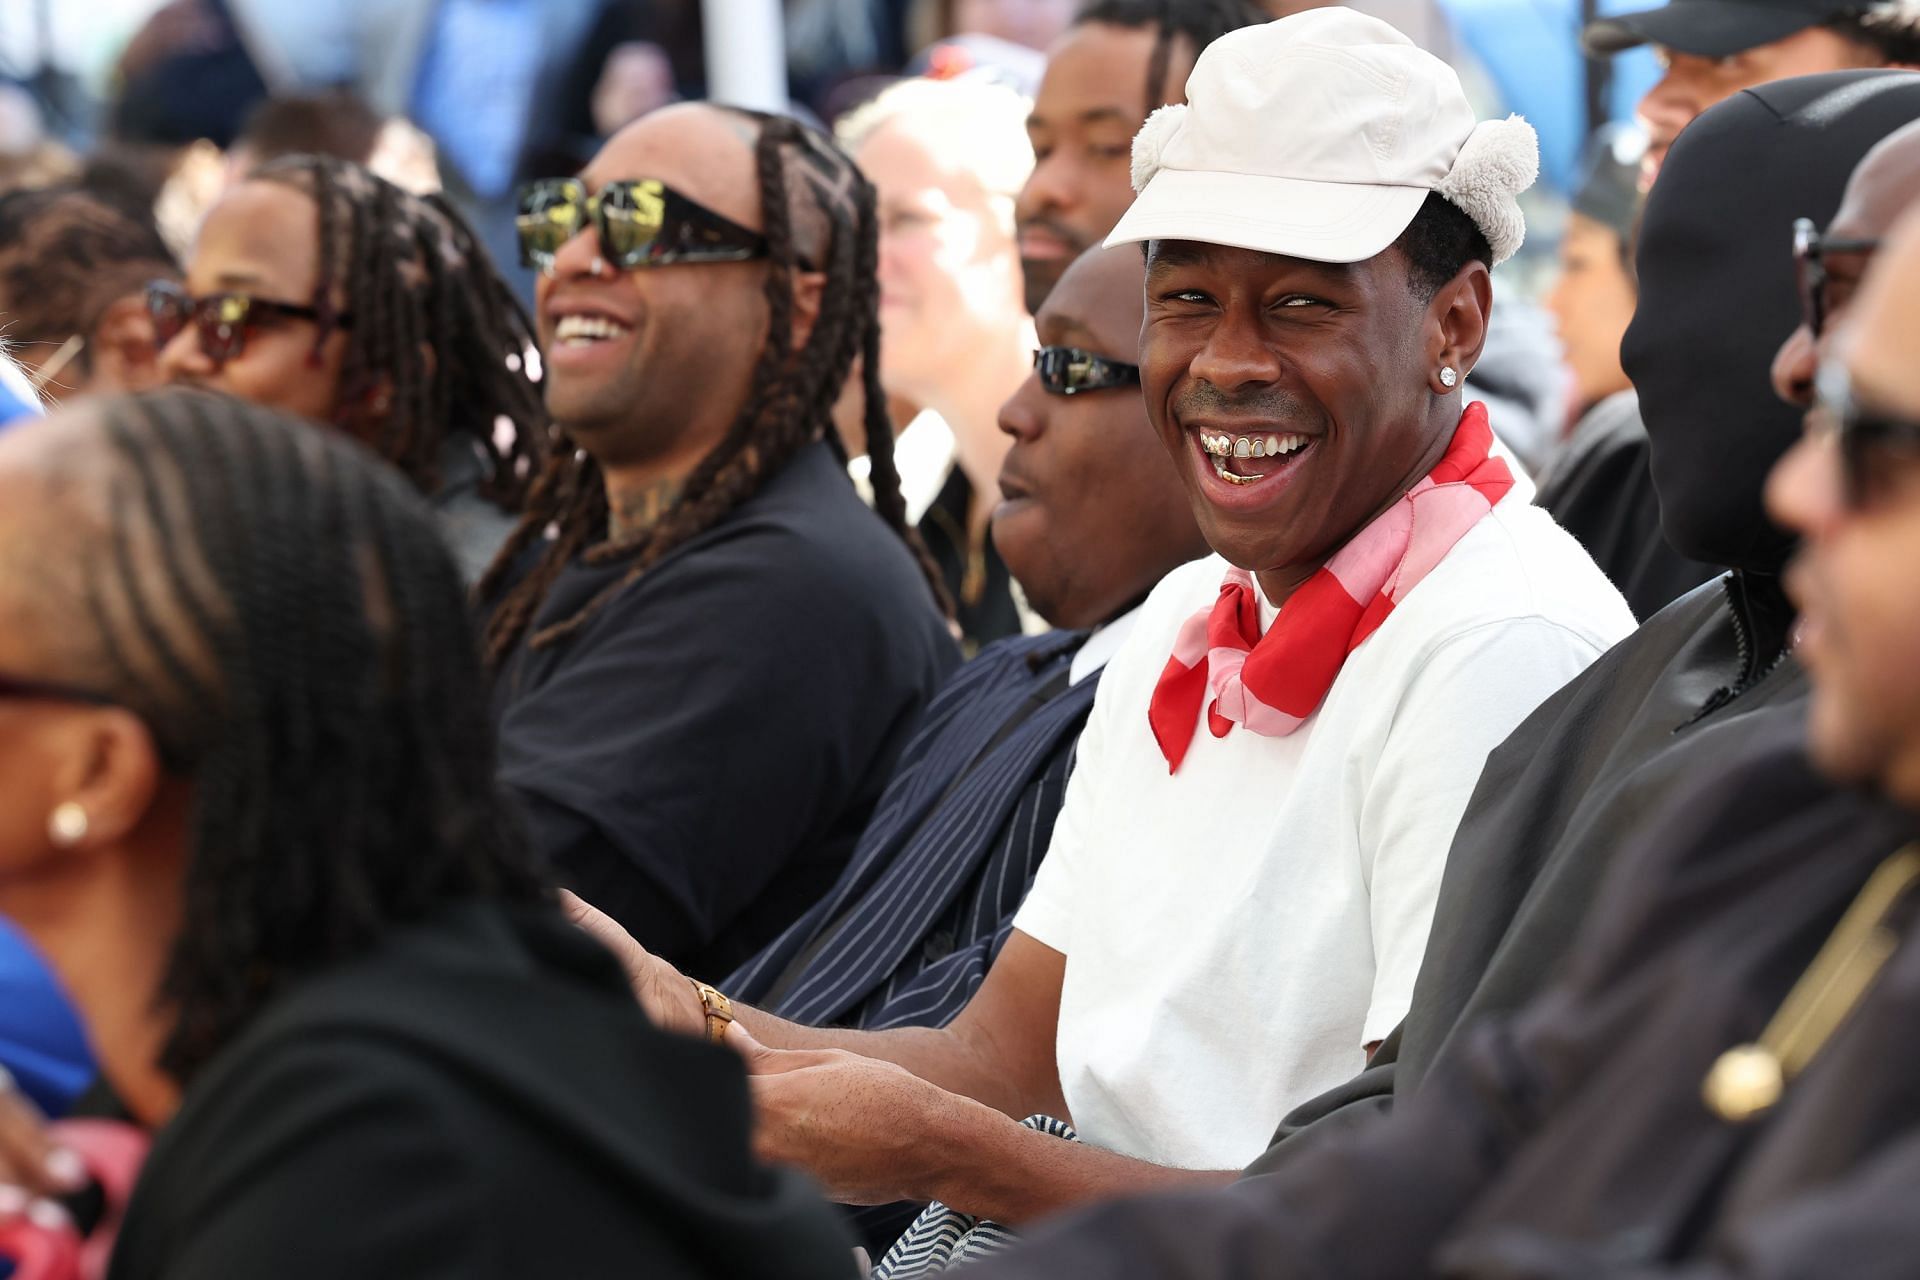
(1319, 136)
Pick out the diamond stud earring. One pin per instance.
(1448, 377)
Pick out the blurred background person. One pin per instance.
(29, 157)
(1119, 62)
(1709, 52)
(946, 159)
(1592, 298)
(1033, 23)
(73, 276)
(333, 122)
(322, 290)
(337, 123)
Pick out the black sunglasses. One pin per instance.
(641, 222)
(1810, 250)
(1068, 371)
(21, 689)
(225, 320)
(1862, 435)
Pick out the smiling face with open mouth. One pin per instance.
(647, 366)
(1295, 397)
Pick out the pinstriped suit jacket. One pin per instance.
(907, 934)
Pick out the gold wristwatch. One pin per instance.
(718, 1008)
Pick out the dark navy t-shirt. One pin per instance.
(700, 759)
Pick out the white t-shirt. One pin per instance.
(1237, 932)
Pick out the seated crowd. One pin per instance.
(950, 702)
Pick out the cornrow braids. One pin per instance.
(277, 608)
(789, 405)
(405, 274)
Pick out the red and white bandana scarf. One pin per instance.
(1272, 683)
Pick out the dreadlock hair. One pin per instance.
(276, 606)
(405, 274)
(1198, 22)
(789, 405)
(66, 256)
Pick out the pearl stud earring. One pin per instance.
(67, 825)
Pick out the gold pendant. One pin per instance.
(1745, 1081)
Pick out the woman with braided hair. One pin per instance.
(708, 651)
(249, 815)
(320, 289)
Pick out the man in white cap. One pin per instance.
(1238, 890)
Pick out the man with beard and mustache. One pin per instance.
(1119, 62)
(1720, 1085)
(1236, 894)
(1562, 795)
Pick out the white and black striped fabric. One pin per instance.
(942, 1237)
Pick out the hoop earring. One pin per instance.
(67, 824)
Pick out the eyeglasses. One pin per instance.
(22, 689)
(1810, 252)
(1068, 371)
(225, 320)
(641, 222)
(1862, 435)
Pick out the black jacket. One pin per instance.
(480, 1097)
(1557, 802)
(699, 760)
(1571, 1139)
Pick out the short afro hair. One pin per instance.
(1439, 241)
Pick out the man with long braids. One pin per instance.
(320, 289)
(249, 815)
(708, 651)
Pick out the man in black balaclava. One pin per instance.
(1559, 797)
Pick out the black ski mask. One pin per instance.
(1717, 295)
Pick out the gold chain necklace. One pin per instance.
(1747, 1080)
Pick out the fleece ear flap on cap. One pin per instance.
(1147, 144)
(1501, 159)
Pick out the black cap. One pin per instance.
(1711, 28)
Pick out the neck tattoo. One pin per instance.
(634, 511)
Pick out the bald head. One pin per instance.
(1884, 330)
(1883, 185)
(1886, 182)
